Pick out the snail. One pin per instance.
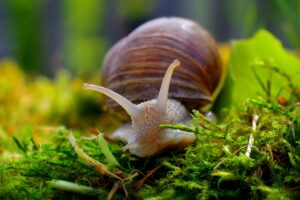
(137, 75)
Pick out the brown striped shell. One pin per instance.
(134, 66)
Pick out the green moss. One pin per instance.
(215, 167)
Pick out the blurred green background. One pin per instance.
(44, 36)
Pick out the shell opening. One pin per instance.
(162, 98)
(130, 108)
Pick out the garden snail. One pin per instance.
(137, 65)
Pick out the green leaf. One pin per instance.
(259, 66)
(106, 151)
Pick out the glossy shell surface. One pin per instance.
(134, 66)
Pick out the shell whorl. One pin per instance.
(135, 66)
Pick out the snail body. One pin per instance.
(137, 77)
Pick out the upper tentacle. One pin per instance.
(162, 98)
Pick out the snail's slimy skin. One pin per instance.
(143, 136)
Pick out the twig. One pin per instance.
(270, 151)
(113, 190)
(294, 188)
(292, 127)
(141, 182)
(218, 165)
(251, 139)
(295, 104)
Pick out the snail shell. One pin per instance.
(135, 66)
